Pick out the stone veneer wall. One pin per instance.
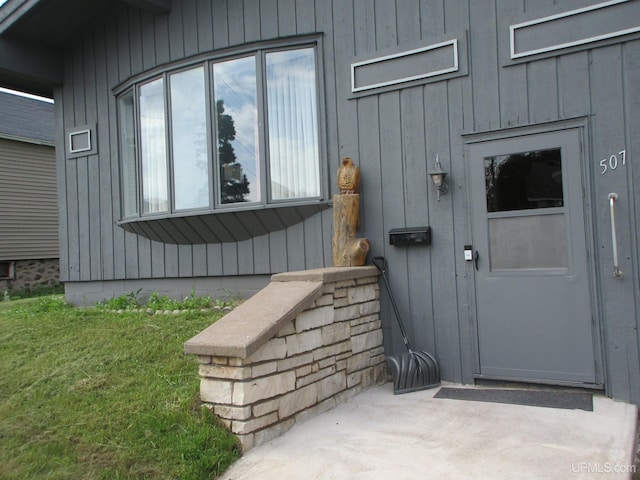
(32, 274)
(326, 346)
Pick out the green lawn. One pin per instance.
(89, 394)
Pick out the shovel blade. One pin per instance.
(412, 371)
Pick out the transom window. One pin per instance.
(224, 133)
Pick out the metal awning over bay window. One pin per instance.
(234, 137)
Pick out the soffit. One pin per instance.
(54, 22)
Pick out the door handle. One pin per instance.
(476, 255)
(613, 197)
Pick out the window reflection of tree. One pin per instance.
(523, 181)
(234, 183)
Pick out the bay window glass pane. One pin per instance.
(127, 131)
(293, 124)
(153, 149)
(189, 140)
(234, 85)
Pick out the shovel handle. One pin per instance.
(381, 264)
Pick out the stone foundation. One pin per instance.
(307, 342)
(32, 274)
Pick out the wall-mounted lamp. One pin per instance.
(437, 177)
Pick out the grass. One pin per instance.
(35, 292)
(89, 394)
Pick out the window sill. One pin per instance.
(223, 225)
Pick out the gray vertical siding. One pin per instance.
(394, 136)
(127, 44)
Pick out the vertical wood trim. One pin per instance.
(305, 16)
(70, 176)
(631, 80)
(176, 33)
(113, 61)
(252, 20)
(171, 261)
(573, 96)
(189, 26)
(122, 37)
(432, 15)
(269, 18)
(220, 25)
(235, 13)
(245, 257)
(135, 41)
(214, 259)
(106, 193)
(386, 24)
(295, 247)
(514, 107)
(278, 251)
(204, 25)
(95, 248)
(408, 18)
(365, 27)
(148, 35)
(286, 17)
(185, 265)
(162, 38)
(542, 86)
(261, 260)
(345, 126)
(157, 260)
(620, 327)
(144, 261)
(484, 67)
(61, 177)
(442, 254)
(313, 243)
(229, 259)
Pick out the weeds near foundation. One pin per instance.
(90, 394)
(161, 303)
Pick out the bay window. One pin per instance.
(236, 104)
(190, 152)
(128, 154)
(153, 148)
(229, 133)
(293, 127)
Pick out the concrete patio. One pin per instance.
(378, 435)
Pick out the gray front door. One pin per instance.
(533, 297)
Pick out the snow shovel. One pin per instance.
(415, 369)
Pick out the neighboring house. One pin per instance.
(198, 142)
(28, 199)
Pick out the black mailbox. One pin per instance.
(410, 236)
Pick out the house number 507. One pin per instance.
(613, 161)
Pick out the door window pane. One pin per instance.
(293, 124)
(530, 241)
(522, 181)
(153, 151)
(127, 129)
(237, 129)
(189, 139)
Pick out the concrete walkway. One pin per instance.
(378, 435)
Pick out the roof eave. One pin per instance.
(13, 10)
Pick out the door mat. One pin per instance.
(533, 398)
